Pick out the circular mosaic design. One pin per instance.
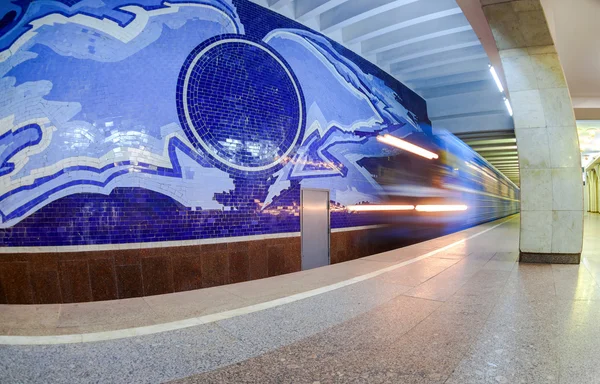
(240, 103)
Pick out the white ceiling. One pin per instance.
(576, 31)
(575, 27)
(432, 46)
(429, 45)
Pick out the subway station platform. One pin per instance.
(456, 309)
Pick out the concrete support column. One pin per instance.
(589, 191)
(548, 146)
(586, 194)
(593, 189)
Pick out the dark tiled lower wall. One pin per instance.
(350, 245)
(45, 278)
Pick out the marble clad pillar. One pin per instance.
(548, 146)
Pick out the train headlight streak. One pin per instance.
(393, 207)
(440, 208)
(373, 207)
(405, 145)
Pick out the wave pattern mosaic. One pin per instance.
(140, 121)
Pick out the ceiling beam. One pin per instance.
(356, 11)
(408, 68)
(456, 79)
(398, 18)
(307, 9)
(444, 70)
(471, 103)
(422, 32)
(500, 158)
(494, 148)
(457, 89)
(429, 47)
(509, 140)
(277, 4)
(486, 134)
(502, 153)
(473, 123)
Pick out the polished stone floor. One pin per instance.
(463, 312)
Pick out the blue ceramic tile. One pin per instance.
(205, 123)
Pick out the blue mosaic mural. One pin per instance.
(224, 89)
(137, 121)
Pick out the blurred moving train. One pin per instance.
(446, 187)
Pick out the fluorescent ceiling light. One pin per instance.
(495, 148)
(405, 145)
(496, 79)
(507, 103)
(491, 159)
(490, 141)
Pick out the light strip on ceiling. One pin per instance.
(494, 148)
(507, 103)
(472, 142)
(496, 79)
(501, 153)
(373, 208)
(440, 208)
(491, 159)
(405, 145)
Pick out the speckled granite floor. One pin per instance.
(469, 314)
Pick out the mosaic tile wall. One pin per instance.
(140, 121)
